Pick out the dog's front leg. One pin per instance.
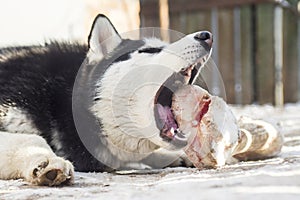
(30, 157)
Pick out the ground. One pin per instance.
(276, 178)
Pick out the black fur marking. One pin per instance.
(193, 75)
(151, 50)
(124, 57)
(121, 53)
(39, 80)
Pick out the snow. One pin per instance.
(276, 178)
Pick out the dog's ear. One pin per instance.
(103, 38)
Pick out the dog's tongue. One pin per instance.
(165, 114)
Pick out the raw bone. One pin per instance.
(217, 138)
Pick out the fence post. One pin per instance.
(237, 56)
(164, 19)
(254, 55)
(298, 52)
(215, 53)
(278, 55)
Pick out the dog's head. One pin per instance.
(135, 87)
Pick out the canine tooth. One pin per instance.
(172, 131)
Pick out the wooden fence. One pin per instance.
(256, 45)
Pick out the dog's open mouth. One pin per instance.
(164, 114)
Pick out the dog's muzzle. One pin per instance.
(165, 120)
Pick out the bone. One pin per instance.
(258, 140)
(215, 137)
(186, 105)
(209, 125)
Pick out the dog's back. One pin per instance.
(36, 84)
(37, 81)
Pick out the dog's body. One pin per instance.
(100, 124)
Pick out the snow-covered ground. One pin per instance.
(276, 178)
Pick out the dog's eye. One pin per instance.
(151, 50)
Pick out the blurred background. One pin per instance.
(256, 42)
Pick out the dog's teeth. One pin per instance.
(172, 131)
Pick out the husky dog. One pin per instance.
(111, 112)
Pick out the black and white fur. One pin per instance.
(39, 138)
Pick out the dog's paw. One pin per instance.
(53, 172)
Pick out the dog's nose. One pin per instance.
(205, 36)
